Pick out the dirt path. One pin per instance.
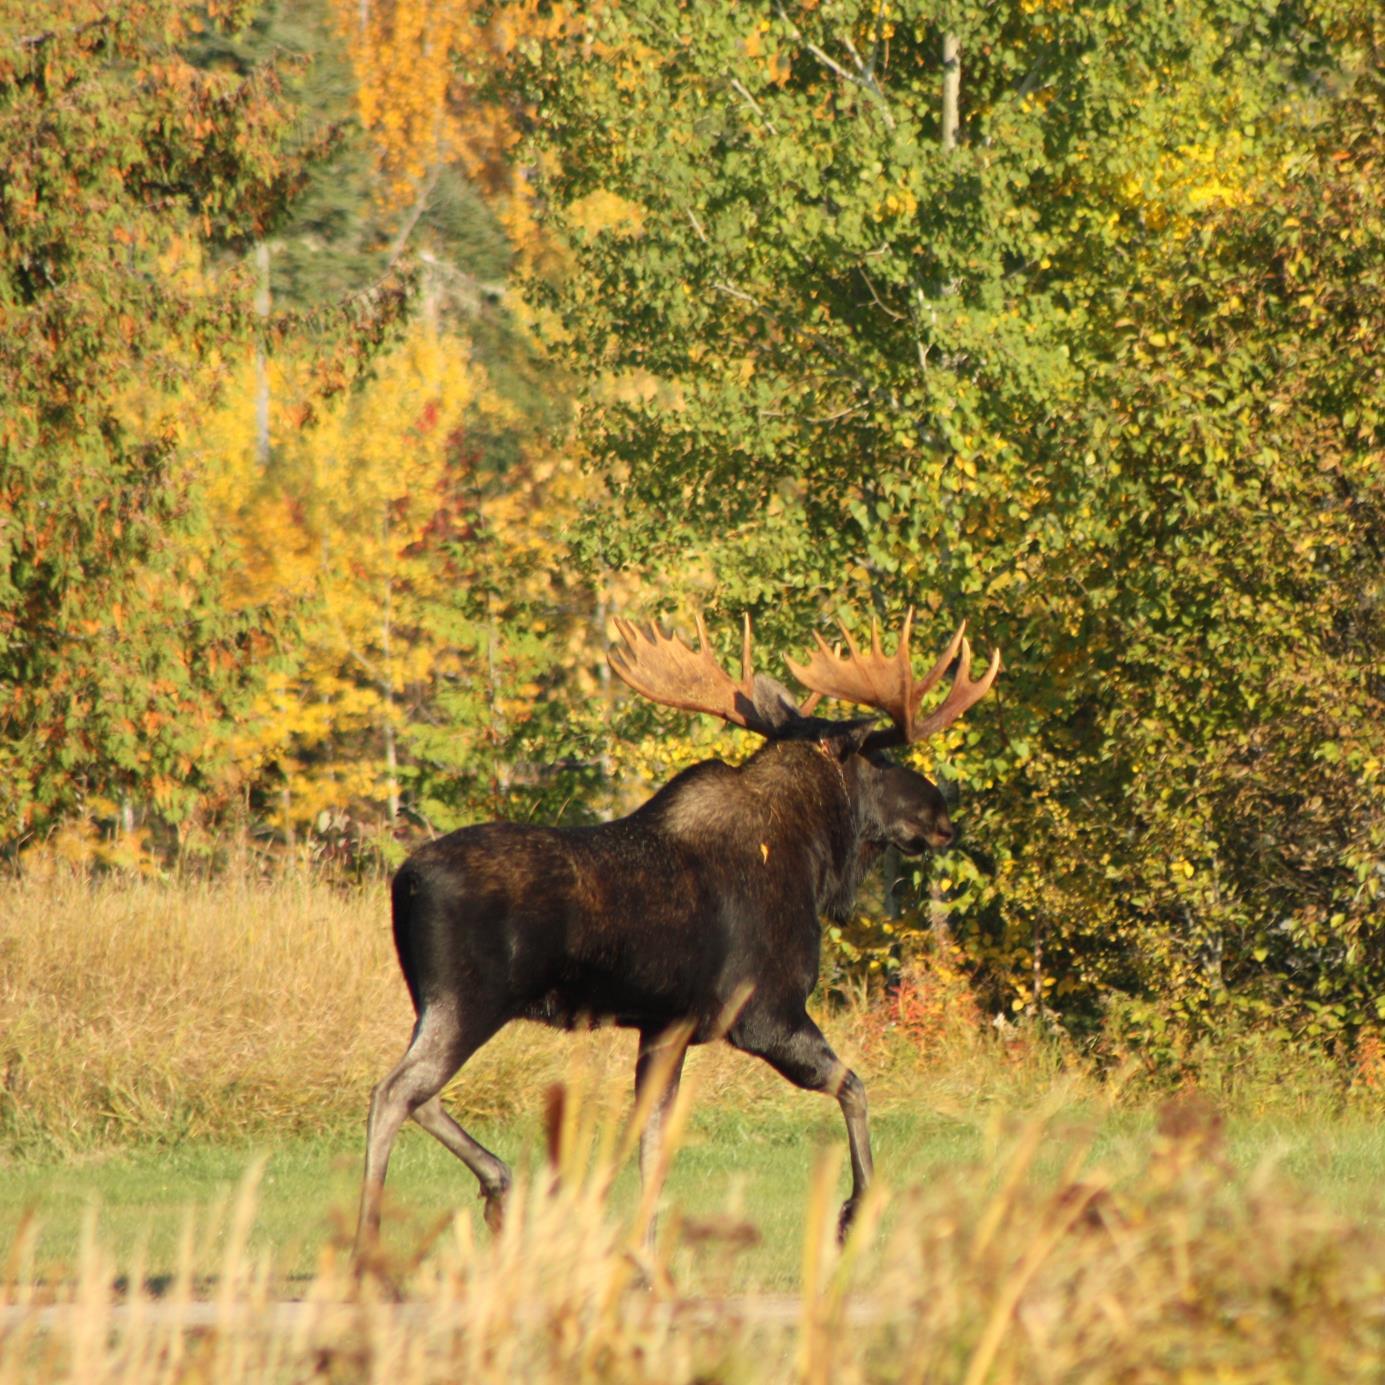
(301, 1316)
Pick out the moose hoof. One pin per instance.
(494, 1212)
(844, 1219)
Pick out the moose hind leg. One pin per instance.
(440, 1045)
(796, 1048)
(492, 1172)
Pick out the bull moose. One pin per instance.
(697, 915)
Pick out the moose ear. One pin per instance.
(773, 704)
(846, 738)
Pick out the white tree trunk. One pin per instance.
(387, 691)
(952, 88)
(262, 306)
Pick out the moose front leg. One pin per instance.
(796, 1048)
(660, 1061)
(657, 1072)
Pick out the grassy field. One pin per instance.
(734, 1163)
(185, 1075)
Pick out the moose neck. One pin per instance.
(814, 798)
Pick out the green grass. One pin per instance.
(308, 1188)
(735, 1163)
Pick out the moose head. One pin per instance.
(897, 806)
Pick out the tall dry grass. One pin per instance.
(1189, 1272)
(136, 1011)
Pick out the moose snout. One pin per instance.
(942, 835)
(919, 836)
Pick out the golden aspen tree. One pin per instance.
(336, 528)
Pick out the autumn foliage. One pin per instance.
(360, 358)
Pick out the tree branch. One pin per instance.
(739, 88)
(862, 77)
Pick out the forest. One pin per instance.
(362, 360)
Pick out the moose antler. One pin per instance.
(664, 669)
(888, 683)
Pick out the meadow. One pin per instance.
(185, 1073)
